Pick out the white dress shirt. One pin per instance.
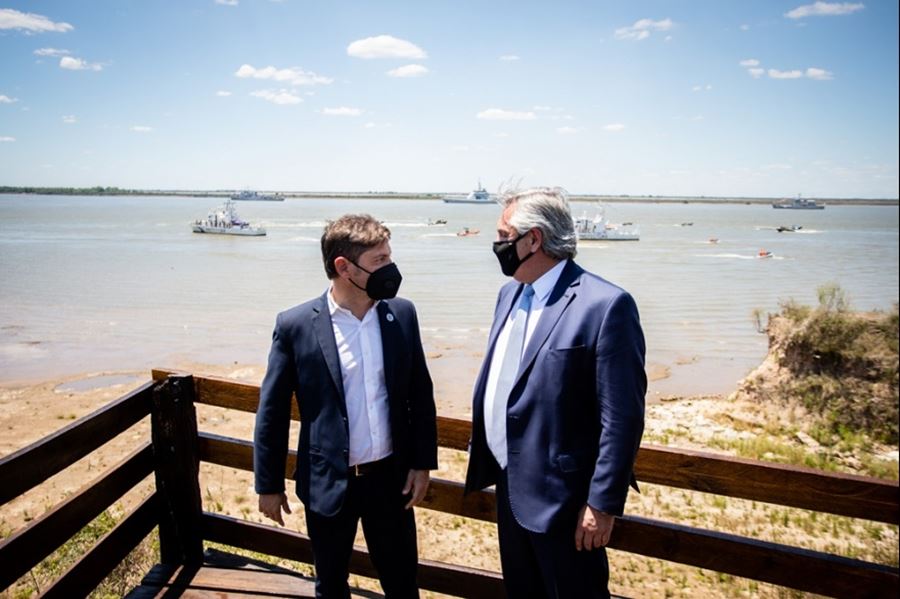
(495, 407)
(362, 371)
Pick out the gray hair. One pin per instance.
(547, 209)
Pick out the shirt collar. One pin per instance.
(334, 307)
(547, 281)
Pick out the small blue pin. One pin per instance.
(390, 317)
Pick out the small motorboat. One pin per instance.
(764, 253)
(433, 222)
(714, 240)
(789, 228)
(467, 232)
(689, 224)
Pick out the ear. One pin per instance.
(342, 266)
(537, 237)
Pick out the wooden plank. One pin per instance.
(177, 466)
(231, 580)
(89, 571)
(434, 576)
(224, 393)
(801, 569)
(834, 493)
(236, 453)
(32, 465)
(28, 546)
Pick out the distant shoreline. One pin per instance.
(390, 195)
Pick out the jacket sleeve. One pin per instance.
(621, 386)
(273, 417)
(422, 413)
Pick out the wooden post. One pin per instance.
(177, 465)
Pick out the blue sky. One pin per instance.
(763, 98)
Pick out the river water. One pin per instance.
(100, 284)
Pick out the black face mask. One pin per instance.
(383, 283)
(508, 256)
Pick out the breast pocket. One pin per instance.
(567, 358)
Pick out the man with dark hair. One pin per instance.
(354, 359)
(558, 406)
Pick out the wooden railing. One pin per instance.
(176, 508)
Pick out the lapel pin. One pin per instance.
(390, 317)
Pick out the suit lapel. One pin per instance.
(560, 298)
(391, 341)
(325, 335)
(504, 307)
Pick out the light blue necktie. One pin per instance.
(510, 366)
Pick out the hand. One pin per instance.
(593, 528)
(271, 505)
(417, 485)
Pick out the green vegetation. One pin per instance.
(72, 191)
(118, 583)
(839, 365)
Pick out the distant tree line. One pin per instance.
(98, 190)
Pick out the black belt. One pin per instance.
(369, 467)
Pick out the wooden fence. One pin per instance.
(176, 448)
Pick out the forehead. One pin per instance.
(381, 250)
(503, 221)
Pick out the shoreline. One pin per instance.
(437, 196)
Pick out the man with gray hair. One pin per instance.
(558, 409)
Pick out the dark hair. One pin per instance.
(350, 236)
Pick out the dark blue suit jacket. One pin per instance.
(576, 411)
(304, 361)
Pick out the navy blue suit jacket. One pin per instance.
(576, 411)
(304, 361)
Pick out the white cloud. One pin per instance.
(282, 97)
(6, 138)
(51, 52)
(409, 70)
(342, 111)
(744, 27)
(223, 94)
(509, 57)
(614, 127)
(824, 9)
(776, 74)
(385, 46)
(293, 75)
(141, 129)
(641, 29)
(819, 74)
(227, 2)
(498, 114)
(30, 22)
(566, 130)
(501, 134)
(69, 119)
(749, 62)
(756, 73)
(78, 64)
(370, 125)
(700, 88)
(7, 99)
